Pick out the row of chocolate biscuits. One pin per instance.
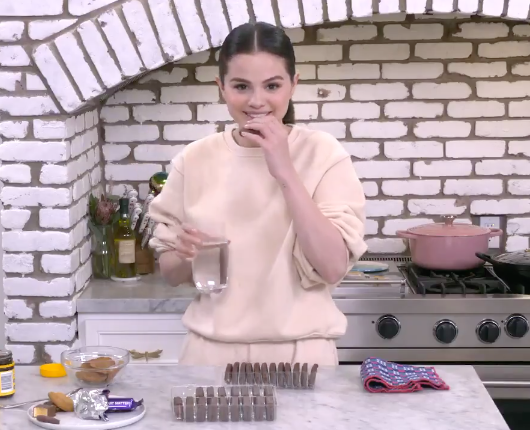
(241, 404)
(282, 375)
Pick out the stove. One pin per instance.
(411, 315)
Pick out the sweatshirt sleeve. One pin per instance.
(167, 209)
(340, 197)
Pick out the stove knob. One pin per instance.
(388, 326)
(516, 326)
(488, 331)
(445, 331)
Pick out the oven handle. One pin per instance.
(506, 384)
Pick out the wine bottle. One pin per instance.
(124, 244)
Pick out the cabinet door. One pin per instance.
(142, 335)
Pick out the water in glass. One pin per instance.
(210, 265)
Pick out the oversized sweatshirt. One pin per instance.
(273, 293)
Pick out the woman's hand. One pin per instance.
(187, 242)
(272, 138)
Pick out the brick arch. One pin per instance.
(138, 36)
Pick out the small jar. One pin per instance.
(7, 374)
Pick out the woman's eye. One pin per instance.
(240, 87)
(273, 86)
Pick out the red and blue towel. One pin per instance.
(381, 376)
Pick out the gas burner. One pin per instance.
(478, 281)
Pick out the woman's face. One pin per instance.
(257, 85)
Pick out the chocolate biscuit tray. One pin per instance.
(282, 375)
(194, 403)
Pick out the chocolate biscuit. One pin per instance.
(273, 377)
(201, 409)
(210, 392)
(234, 391)
(47, 419)
(245, 391)
(247, 409)
(178, 408)
(243, 374)
(270, 409)
(313, 376)
(228, 373)
(221, 392)
(257, 373)
(268, 391)
(235, 373)
(288, 376)
(213, 409)
(256, 391)
(234, 409)
(250, 374)
(264, 373)
(281, 375)
(304, 375)
(199, 392)
(223, 409)
(259, 408)
(190, 409)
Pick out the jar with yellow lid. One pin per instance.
(7, 374)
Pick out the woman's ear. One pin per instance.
(220, 85)
(295, 79)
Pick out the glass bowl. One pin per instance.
(95, 366)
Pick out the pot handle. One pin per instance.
(495, 232)
(405, 234)
(485, 257)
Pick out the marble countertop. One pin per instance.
(338, 400)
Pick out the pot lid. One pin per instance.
(517, 257)
(449, 228)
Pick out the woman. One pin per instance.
(292, 208)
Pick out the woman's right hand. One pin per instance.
(187, 242)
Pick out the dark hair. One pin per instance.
(259, 37)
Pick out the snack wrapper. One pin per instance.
(95, 404)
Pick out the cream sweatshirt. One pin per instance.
(273, 293)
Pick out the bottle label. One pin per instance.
(126, 251)
(7, 382)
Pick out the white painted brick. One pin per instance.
(85, 251)
(81, 187)
(519, 109)
(521, 30)
(393, 225)
(413, 110)
(518, 226)
(34, 196)
(191, 23)
(146, 40)
(442, 168)
(385, 246)
(517, 243)
(216, 21)
(28, 106)
(413, 31)
(376, 208)
(11, 31)
(362, 150)
(475, 109)
(374, 129)
(53, 352)
(237, 12)
(423, 187)
(507, 128)
(374, 52)
(503, 167)
(322, 92)
(9, 81)
(350, 110)
(518, 187)
(83, 7)
(412, 70)
(436, 207)
(18, 263)
(521, 69)
(189, 93)
(371, 227)
(473, 187)
(336, 129)
(17, 309)
(332, 72)
(58, 287)
(113, 152)
(482, 30)
(15, 173)
(289, 13)
(313, 12)
(500, 207)
(118, 39)
(504, 49)
(60, 264)
(360, 8)
(503, 89)
(188, 131)
(310, 53)
(492, 7)
(15, 218)
(42, 29)
(382, 169)
(52, 129)
(264, 12)
(379, 91)
(371, 189)
(519, 147)
(305, 111)
(206, 73)
(210, 112)
(18, 150)
(475, 148)
(131, 172)
(63, 218)
(518, 10)
(83, 275)
(347, 33)
(154, 152)
(13, 55)
(31, 8)
(431, 51)
(167, 29)
(389, 6)
(466, 6)
(57, 309)
(479, 70)
(430, 129)
(296, 35)
(198, 57)
(131, 133)
(22, 354)
(34, 83)
(414, 149)
(447, 90)
(162, 112)
(38, 332)
(27, 241)
(114, 114)
(56, 77)
(14, 129)
(416, 6)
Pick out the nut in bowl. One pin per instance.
(94, 366)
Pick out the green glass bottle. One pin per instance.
(124, 244)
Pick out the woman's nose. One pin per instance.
(256, 100)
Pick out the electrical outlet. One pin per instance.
(492, 222)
